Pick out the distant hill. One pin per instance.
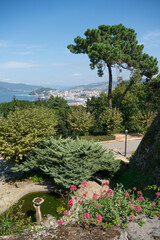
(101, 86)
(43, 91)
(16, 87)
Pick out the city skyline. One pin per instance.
(35, 35)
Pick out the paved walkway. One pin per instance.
(118, 145)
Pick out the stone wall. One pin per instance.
(147, 155)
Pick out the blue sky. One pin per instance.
(34, 35)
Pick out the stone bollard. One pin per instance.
(36, 204)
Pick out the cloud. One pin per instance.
(151, 39)
(58, 64)
(14, 65)
(24, 53)
(76, 74)
(4, 43)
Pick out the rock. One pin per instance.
(149, 231)
(49, 221)
(147, 155)
(92, 187)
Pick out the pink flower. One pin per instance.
(60, 221)
(102, 184)
(84, 184)
(73, 188)
(141, 199)
(70, 202)
(107, 183)
(127, 195)
(99, 217)
(158, 194)
(131, 218)
(84, 195)
(109, 193)
(105, 191)
(137, 208)
(134, 188)
(86, 215)
(139, 192)
(94, 197)
(65, 212)
(153, 204)
(132, 202)
(75, 198)
(79, 201)
(101, 195)
(97, 206)
(70, 210)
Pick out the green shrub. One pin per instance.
(80, 121)
(23, 129)
(142, 120)
(111, 119)
(70, 161)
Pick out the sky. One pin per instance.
(34, 35)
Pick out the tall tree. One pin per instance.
(111, 46)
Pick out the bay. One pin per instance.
(20, 95)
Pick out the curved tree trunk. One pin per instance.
(123, 95)
(109, 86)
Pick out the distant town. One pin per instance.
(73, 97)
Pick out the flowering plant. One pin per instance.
(112, 206)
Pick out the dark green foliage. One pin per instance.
(61, 109)
(70, 161)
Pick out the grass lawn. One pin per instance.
(99, 138)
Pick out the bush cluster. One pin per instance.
(69, 161)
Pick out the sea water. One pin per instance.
(8, 96)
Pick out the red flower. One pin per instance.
(101, 195)
(70, 203)
(153, 204)
(94, 197)
(139, 192)
(137, 208)
(99, 217)
(109, 193)
(84, 184)
(158, 194)
(127, 195)
(65, 212)
(134, 188)
(131, 218)
(141, 198)
(86, 215)
(60, 221)
(132, 202)
(79, 201)
(73, 188)
(97, 206)
(107, 183)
